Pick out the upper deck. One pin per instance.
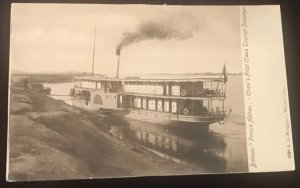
(183, 87)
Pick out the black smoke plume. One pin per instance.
(173, 26)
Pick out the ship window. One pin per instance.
(159, 105)
(98, 85)
(174, 106)
(144, 103)
(167, 89)
(151, 104)
(92, 85)
(175, 90)
(166, 106)
(84, 84)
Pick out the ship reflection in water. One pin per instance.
(221, 148)
(192, 145)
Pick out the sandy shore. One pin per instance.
(49, 139)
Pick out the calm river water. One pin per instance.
(220, 149)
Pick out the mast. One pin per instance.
(94, 51)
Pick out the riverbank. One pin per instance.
(50, 140)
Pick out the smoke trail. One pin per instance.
(178, 26)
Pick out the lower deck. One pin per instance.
(162, 118)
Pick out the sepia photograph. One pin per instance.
(109, 91)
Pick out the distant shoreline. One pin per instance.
(43, 78)
(204, 73)
(68, 77)
(86, 74)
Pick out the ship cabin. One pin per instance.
(189, 97)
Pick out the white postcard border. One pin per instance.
(268, 126)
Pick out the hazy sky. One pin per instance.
(59, 37)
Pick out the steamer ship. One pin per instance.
(179, 102)
(194, 101)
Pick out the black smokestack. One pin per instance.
(118, 51)
(118, 54)
(180, 26)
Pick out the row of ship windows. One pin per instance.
(160, 106)
(152, 89)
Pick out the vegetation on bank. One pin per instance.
(50, 140)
